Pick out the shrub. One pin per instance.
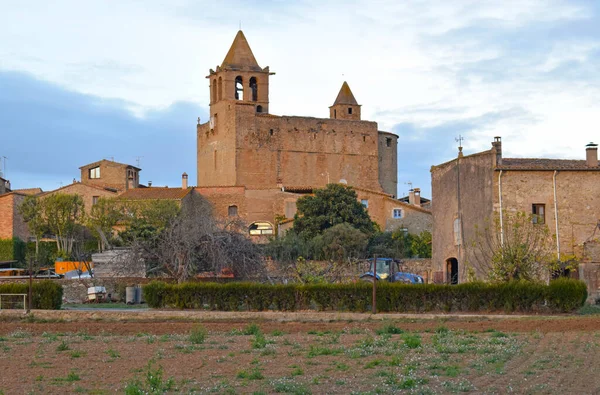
(12, 250)
(198, 334)
(563, 295)
(46, 295)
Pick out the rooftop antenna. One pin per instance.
(137, 160)
(459, 140)
(410, 185)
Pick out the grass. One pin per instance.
(198, 334)
(254, 374)
(102, 306)
(389, 329)
(63, 346)
(589, 309)
(380, 358)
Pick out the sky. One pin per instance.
(125, 80)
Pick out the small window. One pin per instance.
(388, 141)
(539, 213)
(397, 213)
(258, 108)
(365, 202)
(95, 172)
(260, 228)
(350, 110)
(270, 132)
(95, 200)
(364, 138)
(334, 114)
(232, 211)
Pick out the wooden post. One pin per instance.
(29, 292)
(374, 307)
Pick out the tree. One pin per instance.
(335, 204)
(519, 249)
(145, 219)
(420, 245)
(104, 215)
(343, 242)
(32, 212)
(64, 214)
(194, 241)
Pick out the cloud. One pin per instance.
(49, 132)
(522, 69)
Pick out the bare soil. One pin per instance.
(444, 355)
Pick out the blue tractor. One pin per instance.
(388, 269)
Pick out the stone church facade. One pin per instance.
(255, 165)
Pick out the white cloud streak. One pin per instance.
(427, 63)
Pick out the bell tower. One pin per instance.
(345, 105)
(239, 78)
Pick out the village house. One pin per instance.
(256, 165)
(468, 191)
(102, 179)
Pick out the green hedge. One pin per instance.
(46, 295)
(563, 295)
(12, 250)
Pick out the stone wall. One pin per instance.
(11, 221)
(112, 175)
(578, 202)
(86, 192)
(462, 185)
(388, 162)
(75, 291)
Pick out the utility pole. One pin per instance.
(374, 305)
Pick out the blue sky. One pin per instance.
(82, 81)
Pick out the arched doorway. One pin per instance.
(452, 271)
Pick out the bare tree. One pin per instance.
(194, 241)
(516, 249)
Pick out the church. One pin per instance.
(255, 165)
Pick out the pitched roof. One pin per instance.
(78, 183)
(544, 164)
(155, 193)
(240, 55)
(345, 96)
(29, 191)
(109, 161)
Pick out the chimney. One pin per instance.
(149, 183)
(591, 155)
(497, 144)
(414, 197)
(184, 181)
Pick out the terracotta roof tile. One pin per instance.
(29, 191)
(155, 193)
(543, 164)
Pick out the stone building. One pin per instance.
(255, 165)
(111, 175)
(89, 193)
(4, 186)
(469, 190)
(11, 222)
(102, 179)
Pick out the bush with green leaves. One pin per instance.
(12, 250)
(46, 295)
(562, 295)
